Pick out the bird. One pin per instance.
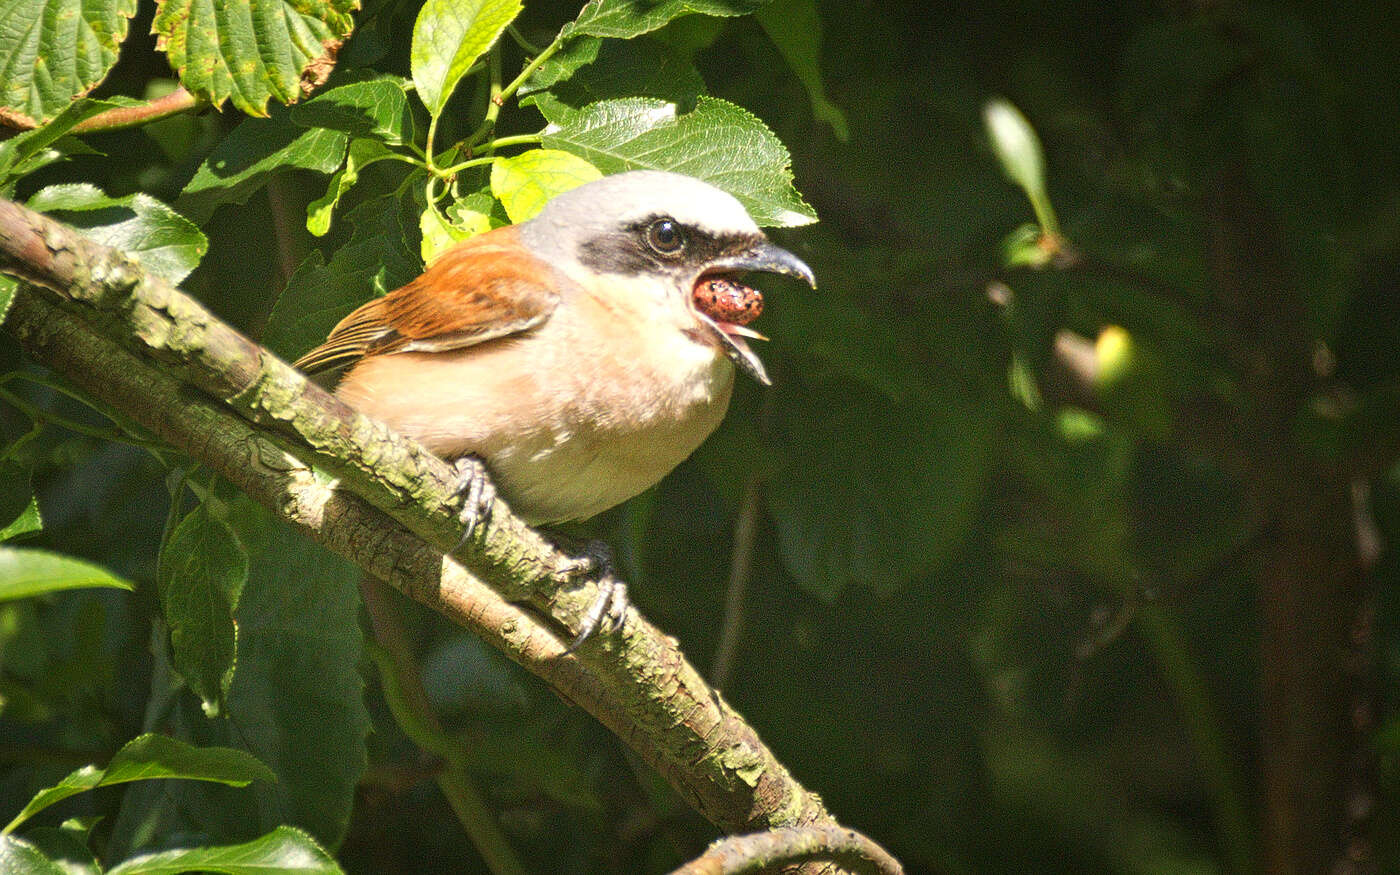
(565, 354)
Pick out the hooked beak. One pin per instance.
(767, 257)
(762, 257)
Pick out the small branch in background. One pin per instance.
(288, 218)
(758, 852)
(408, 701)
(740, 570)
(123, 117)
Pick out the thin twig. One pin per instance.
(789, 845)
(740, 570)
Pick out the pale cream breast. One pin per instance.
(579, 415)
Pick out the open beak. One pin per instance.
(762, 257)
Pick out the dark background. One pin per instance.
(1017, 602)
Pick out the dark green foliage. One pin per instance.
(1044, 452)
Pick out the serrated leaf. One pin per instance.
(377, 108)
(28, 522)
(28, 151)
(152, 756)
(163, 241)
(285, 850)
(15, 492)
(590, 69)
(796, 30)
(624, 19)
(21, 857)
(252, 51)
(845, 514)
(718, 142)
(526, 182)
(26, 572)
(52, 51)
(448, 37)
(201, 574)
(8, 286)
(253, 153)
(318, 295)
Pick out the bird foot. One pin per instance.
(609, 610)
(478, 494)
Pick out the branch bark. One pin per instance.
(135, 343)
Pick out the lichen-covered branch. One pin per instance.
(139, 345)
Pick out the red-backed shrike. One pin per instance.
(566, 352)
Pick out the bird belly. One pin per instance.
(559, 446)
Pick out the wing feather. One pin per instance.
(481, 289)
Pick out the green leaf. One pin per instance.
(796, 29)
(52, 51)
(718, 142)
(20, 857)
(28, 522)
(285, 849)
(254, 152)
(624, 19)
(297, 702)
(1022, 160)
(362, 153)
(28, 151)
(448, 38)
(846, 514)
(163, 241)
(201, 575)
(66, 846)
(377, 109)
(152, 756)
(251, 51)
(26, 572)
(8, 285)
(375, 261)
(526, 182)
(590, 69)
(16, 493)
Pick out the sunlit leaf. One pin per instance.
(252, 51)
(160, 239)
(153, 756)
(717, 141)
(623, 19)
(52, 51)
(526, 182)
(26, 572)
(376, 108)
(448, 38)
(284, 850)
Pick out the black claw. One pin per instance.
(478, 495)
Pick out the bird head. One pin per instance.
(656, 235)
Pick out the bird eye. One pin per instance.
(665, 236)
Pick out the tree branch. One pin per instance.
(758, 852)
(135, 343)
